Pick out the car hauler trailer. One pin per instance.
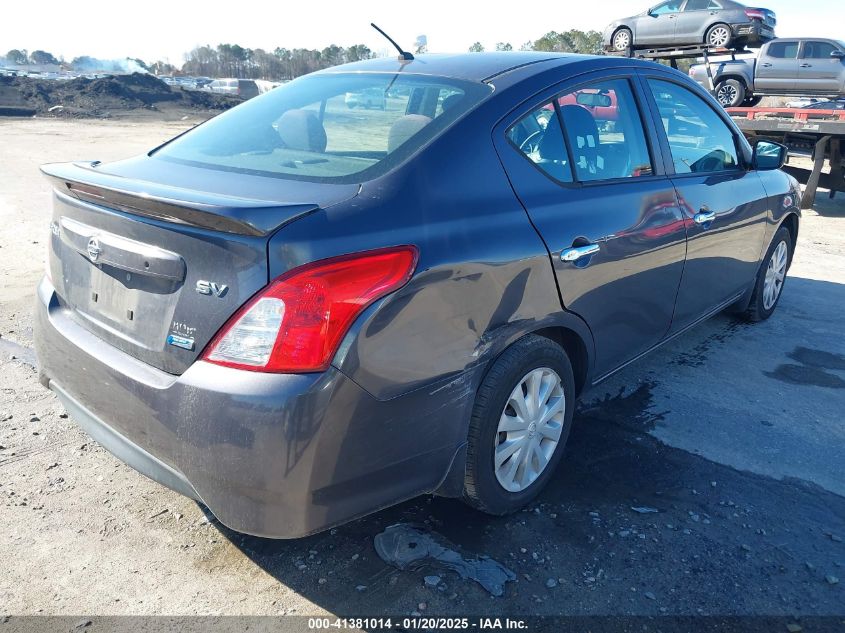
(819, 134)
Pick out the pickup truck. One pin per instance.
(786, 66)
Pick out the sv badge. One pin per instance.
(204, 287)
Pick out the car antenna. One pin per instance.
(403, 55)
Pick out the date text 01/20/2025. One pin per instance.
(417, 623)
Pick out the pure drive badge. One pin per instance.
(180, 341)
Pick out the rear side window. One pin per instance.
(602, 135)
(701, 5)
(818, 50)
(604, 132)
(783, 50)
(328, 127)
(700, 141)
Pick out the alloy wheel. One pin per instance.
(622, 40)
(726, 95)
(775, 274)
(529, 429)
(719, 37)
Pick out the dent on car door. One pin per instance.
(724, 203)
(581, 164)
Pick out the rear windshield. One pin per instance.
(328, 127)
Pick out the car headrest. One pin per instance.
(405, 128)
(451, 101)
(302, 130)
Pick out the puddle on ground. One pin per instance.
(815, 369)
(408, 546)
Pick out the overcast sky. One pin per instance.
(167, 29)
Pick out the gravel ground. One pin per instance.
(705, 479)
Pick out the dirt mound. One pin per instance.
(83, 97)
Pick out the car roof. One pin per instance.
(467, 66)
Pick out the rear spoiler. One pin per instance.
(227, 214)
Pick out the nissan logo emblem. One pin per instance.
(93, 249)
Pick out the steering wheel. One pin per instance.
(531, 143)
(713, 161)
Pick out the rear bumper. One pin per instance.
(753, 32)
(273, 455)
(123, 448)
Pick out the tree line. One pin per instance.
(233, 60)
(571, 41)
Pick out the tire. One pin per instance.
(730, 93)
(622, 40)
(719, 36)
(531, 356)
(778, 258)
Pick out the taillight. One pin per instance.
(296, 324)
(755, 14)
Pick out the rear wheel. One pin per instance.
(719, 36)
(519, 426)
(622, 40)
(771, 278)
(730, 93)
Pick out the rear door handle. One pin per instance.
(766, 65)
(578, 252)
(704, 217)
(806, 65)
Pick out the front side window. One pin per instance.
(818, 50)
(700, 141)
(673, 6)
(333, 127)
(783, 50)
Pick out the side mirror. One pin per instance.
(768, 155)
(838, 54)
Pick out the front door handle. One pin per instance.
(766, 65)
(704, 217)
(806, 65)
(578, 252)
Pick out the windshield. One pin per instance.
(328, 127)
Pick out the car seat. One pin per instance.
(302, 130)
(583, 135)
(404, 128)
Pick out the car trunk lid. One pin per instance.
(156, 267)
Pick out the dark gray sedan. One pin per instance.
(716, 23)
(298, 313)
